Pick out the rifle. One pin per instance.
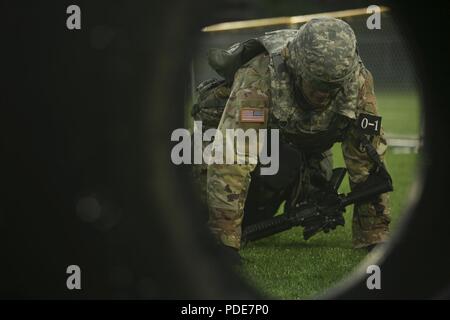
(324, 213)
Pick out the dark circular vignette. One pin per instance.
(88, 172)
(208, 276)
(415, 265)
(88, 176)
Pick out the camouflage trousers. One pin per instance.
(370, 223)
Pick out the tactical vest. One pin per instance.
(309, 130)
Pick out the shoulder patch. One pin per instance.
(252, 115)
(369, 124)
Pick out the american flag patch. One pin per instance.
(252, 115)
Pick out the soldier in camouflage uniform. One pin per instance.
(311, 85)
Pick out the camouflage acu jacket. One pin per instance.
(263, 83)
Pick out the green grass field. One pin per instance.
(287, 267)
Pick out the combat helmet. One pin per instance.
(323, 52)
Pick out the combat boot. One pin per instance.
(231, 255)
